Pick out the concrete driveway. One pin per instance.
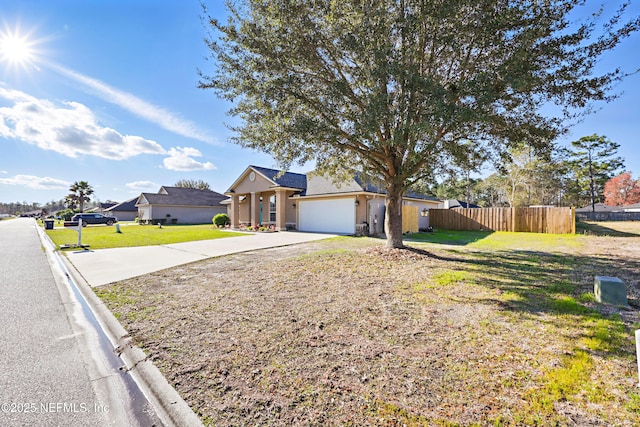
(102, 266)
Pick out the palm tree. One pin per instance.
(80, 192)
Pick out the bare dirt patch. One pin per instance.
(345, 332)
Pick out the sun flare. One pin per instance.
(16, 48)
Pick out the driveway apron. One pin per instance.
(103, 266)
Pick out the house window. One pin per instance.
(272, 208)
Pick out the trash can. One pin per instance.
(48, 224)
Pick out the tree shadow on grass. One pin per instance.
(449, 237)
(555, 288)
(597, 229)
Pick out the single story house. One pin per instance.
(124, 211)
(313, 203)
(173, 205)
(599, 207)
(632, 208)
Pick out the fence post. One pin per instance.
(638, 353)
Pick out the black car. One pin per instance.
(94, 218)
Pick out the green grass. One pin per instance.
(510, 309)
(499, 240)
(542, 279)
(450, 237)
(563, 382)
(103, 237)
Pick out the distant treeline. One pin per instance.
(18, 208)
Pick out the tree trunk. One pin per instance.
(592, 189)
(393, 216)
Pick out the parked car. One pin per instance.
(94, 218)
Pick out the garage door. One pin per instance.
(328, 216)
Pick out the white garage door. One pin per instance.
(328, 216)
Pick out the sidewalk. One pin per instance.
(103, 266)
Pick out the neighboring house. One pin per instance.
(102, 207)
(609, 213)
(99, 208)
(32, 214)
(292, 201)
(632, 208)
(179, 205)
(124, 211)
(600, 207)
(458, 204)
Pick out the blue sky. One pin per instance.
(109, 96)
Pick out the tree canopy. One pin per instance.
(622, 190)
(593, 162)
(80, 192)
(192, 183)
(393, 87)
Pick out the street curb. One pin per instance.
(171, 407)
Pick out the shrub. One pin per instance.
(66, 214)
(221, 220)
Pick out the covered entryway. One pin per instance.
(328, 216)
(262, 196)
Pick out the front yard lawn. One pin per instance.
(102, 236)
(345, 332)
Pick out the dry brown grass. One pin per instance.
(343, 332)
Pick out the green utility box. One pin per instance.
(610, 290)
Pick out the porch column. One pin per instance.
(281, 210)
(255, 208)
(235, 211)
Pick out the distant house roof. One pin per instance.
(453, 204)
(635, 206)
(180, 196)
(600, 207)
(128, 205)
(105, 206)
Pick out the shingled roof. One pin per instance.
(127, 205)
(287, 179)
(180, 196)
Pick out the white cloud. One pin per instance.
(69, 128)
(140, 107)
(180, 159)
(143, 186)
(35, 182)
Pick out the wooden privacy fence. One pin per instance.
(530, 220)
(409, 219)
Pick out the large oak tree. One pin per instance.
(389, 87)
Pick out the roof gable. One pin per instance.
(274, 178)
(286, 179)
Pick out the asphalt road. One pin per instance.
(53, 367)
